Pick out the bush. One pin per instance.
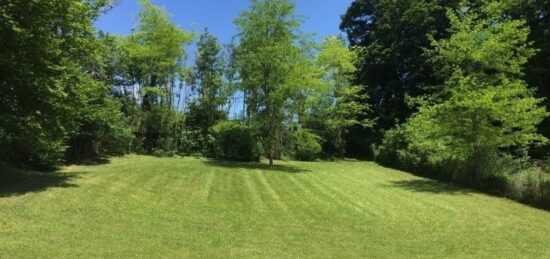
(393, 149)
(191, 143)
(530, 186)
(32, 148)
(494, 172)
(306, 145)
(232, 140)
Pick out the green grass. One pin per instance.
(184, 207)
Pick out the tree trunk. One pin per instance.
(271, 144)
(340, 144)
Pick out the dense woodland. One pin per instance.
(454, 90)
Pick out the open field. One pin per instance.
(185, 207)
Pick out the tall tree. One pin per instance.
(208, 82)
(348, 104)
(269, 61)
(393, 35)
(156, 53)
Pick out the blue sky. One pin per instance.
(323, 16)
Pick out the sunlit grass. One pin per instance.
(184, 207)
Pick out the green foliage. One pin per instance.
(159, 128)
(477, 117)
(536, 14)
(348, 104)
(393, 36)
(155, 49)
(484, 106)
(307, 145)
(193, 143)
(393, 150)
(233, 140)
(212, 92)
(531, 186)
(47, 62)
(149, 63)
(102, 129)
(485, 43)
(275, 70)
(208, 73)
(484, 113)
(200, 119)
(503, 174)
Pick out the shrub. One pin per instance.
(191, 142)
(232, 140)
(31, 148)
(495, 172)
(531, 186)
(306, 145)
(392, 150)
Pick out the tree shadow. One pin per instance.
(100, 160)
(429, 186)
(15, 182)
(257, 166)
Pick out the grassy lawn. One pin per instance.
(185, 207)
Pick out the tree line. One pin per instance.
(459, 88)
(454, 89)
(72, 94)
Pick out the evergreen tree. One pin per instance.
(208, 82)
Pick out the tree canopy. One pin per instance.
(272, 66)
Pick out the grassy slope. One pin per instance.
(174, 207)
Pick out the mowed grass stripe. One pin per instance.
(185, 207)
(254, 199)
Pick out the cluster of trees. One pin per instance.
(395, 63)
(290, 85)
(460, 89)
(54, 97)
(70, 93)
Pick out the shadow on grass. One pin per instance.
(428, 186)
(91, 161)
(257, 166)
(14, 182)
